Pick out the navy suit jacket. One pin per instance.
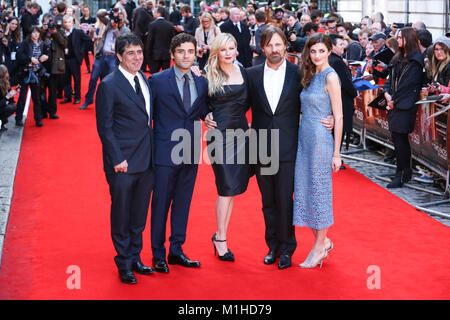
(123, 124)
(170, 115)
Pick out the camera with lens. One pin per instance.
(53, 25)
(43, 74)
(114, 15)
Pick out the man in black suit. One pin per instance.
(240, 32)
(160, 33)
(124, 122)
(26, 21)
(142, 16)
(348, 91)
(274, 88)
(74, 57)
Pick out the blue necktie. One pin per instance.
(186, 93)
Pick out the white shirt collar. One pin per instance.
(128, 75)
(281, 68)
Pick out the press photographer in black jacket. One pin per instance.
(402, 91)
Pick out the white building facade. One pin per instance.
(434, 13)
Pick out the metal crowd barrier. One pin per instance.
(429, 140)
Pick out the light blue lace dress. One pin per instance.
(313, 197)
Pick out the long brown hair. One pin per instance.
(308, 67)
(410, 44)
(4, 80)
(436, 65)
(16, 33)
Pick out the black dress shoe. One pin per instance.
(53, 116)
(182, 260)
(19, 123)
(140, 268)
(396, 182)
(285, 262)
(160, 265)
(271, 257)
(66, 101)
(407, 175)
(127, 277)
(39, 124)
(76, 101)
(84, 106)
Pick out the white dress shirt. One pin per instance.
(238, 25)
(144, 86)
(273, 84)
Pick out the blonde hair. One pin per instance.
(207, 15)
(215, 75)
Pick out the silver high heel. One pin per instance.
(310, 264)
(330, 247)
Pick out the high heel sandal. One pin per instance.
(228, 256)
(309, 264)
(330, 247)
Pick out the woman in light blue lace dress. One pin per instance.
(318, 152)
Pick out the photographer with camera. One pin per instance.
(56, 64)
(293, 34)
(30, 57)
(377, 69)
(105, 56)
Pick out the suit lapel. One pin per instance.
(149, 93)
(125, 86)
(262, 91)
(199, 88)
(174, 88)
(286, 85)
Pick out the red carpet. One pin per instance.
(60, 217)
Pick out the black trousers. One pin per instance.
(174, 187)
(402, 150)
(89, 47)
(35, 97)
(277, 199)
(53, 82)
(156, 65)
(72, 71)
(6, 111)
(130, 199)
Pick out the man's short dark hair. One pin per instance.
(310, 26)
(181, 38)
(126, 40)
(162, 11)
(334, 38)
(425, 37)
(61, 7)
(186, 9)
(315, 14)
(260, 16)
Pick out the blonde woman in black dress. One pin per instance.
(227, 91)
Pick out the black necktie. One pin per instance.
(137, 86)
(186, 93)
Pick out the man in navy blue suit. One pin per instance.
(124, 116)
(179, 103)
